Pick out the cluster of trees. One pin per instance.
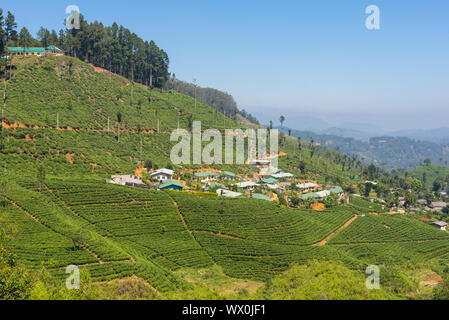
(8, 31)
(219, 100)
(114, 48)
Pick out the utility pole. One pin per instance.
(194, 84)
(108, 123)
(151, 85)
(57, 120)
(118, 132)
(4, 89)
(141, 143)
(132, 84)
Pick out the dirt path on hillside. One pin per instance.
(325, 240)
(48, 227)
(181, 215)
(219, 234)
(14, 125)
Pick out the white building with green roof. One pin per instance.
(40, 52)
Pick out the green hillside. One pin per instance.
(428, 174)
(46, 92)
(53, 189)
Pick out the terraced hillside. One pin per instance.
(116, 231)
(79, 120)
(57, 119)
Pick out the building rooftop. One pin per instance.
(270, 180)
(227, 193)
(22, 49)
(163, 170)
(440, 223)
(228, 174)
(168, 183)
(260, 196)
(246, 184)
(336, 190)
(204, 174)
(307, 185)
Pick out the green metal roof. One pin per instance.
(206, 174)
(21, 49)
(270, 180)
(260, 196)
(52, 47)
(228, 173)
(168, 183)
(308, 196)
(336, 190)
(216, 184)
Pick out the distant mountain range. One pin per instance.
(439, 135)
(385, 151)
(358, 130)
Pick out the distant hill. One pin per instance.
(387, 152)
(438, 135)
(428, 174)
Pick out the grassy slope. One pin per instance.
(85, 98)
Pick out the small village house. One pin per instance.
(171, 185)
(162, 174)
(21, 51)
(282, 175)
(227, 193)
(438, 206)
(439, 224)
(206, 176)
(260, 163)
(246, 185)
(40, 52)
(337, 190)
(422, 202)
(307, 187)
(125, 180)
(269, 180)
(214, 184)
(227, 175)
(53, 50)
(260, 196)
(268, 171)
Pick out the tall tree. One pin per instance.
(10, 28)
(281, 120)
(43, 35)
(2, 33)
(25, 38)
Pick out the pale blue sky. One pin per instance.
(292, 57)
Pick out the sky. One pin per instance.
(300, 57)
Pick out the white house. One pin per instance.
(162, 174)
(125, 179)
(282, 175)
(260, 163)
(308, 186)
(246, 184)
(440, 224)
(422, 202)
(227, 193)
(438, 206)
(268, 171)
